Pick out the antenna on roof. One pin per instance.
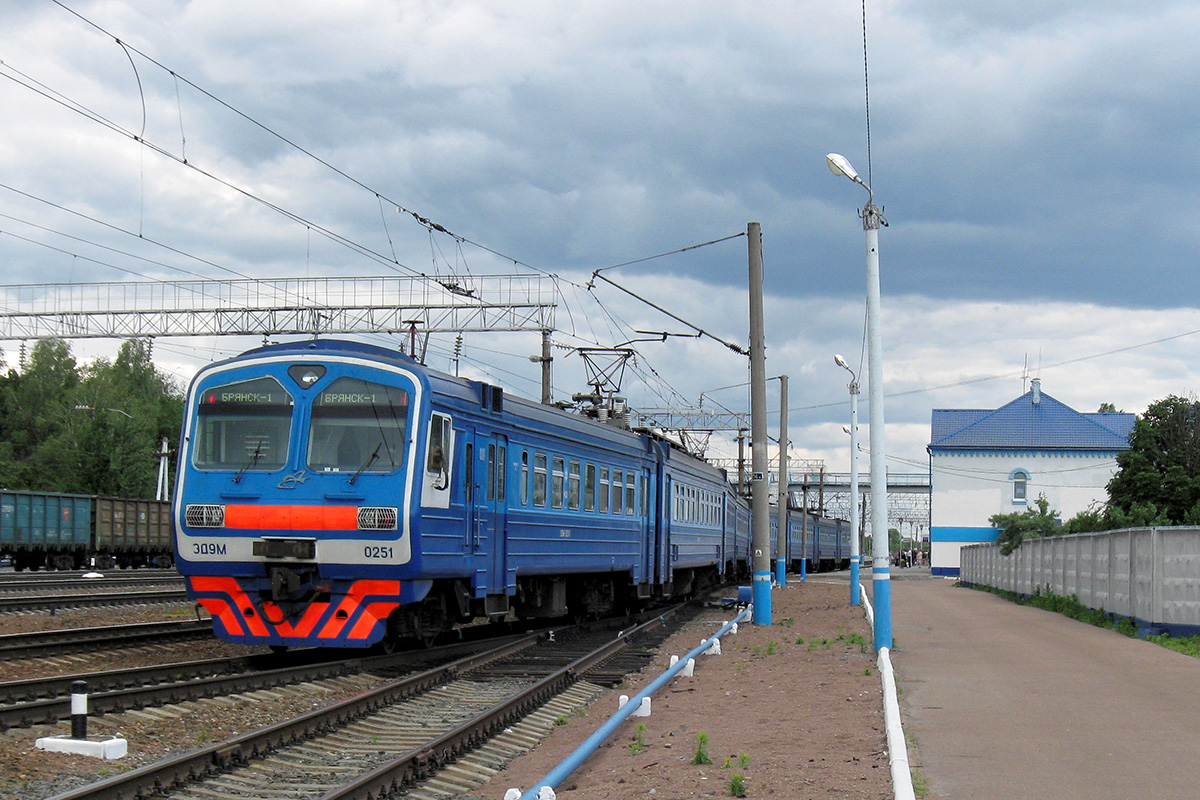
(1024, 373)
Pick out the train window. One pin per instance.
(469, 475)
(604, 490)
(439, 444)
(358, 426)
(501, 469)
(618, 482)
(539, 479)
(589, 487)
(556, 482)
(630, 505)
(491, 472)
(573, 485)
(243, 426)
(524, 477)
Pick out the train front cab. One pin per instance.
(294, 501)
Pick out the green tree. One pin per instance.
(1158, 477)
(133, 406)
(1030, 523)
(91, 430)
(43, 446)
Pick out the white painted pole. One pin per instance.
(855, 555)
(881, 573)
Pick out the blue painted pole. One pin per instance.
(854, 598)
(762, 597)
(881, 591)
(780, 572)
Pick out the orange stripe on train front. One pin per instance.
(290, 518)
(371, 613)
(219, 609)
(230, 587)
(307, 622)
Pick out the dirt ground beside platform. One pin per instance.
(795, 708)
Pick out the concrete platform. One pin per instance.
(108, 749)
(1006, 701)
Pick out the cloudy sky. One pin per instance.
(1036, 164)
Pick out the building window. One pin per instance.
(1020, 486)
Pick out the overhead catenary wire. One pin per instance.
(176, 78)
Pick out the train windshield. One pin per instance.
(357, 426)
(243, 426)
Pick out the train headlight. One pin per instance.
(199, 515)
(377, 518)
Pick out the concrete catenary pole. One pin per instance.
(881, 573)
(855, 556)
(781, 557)
(760, 507)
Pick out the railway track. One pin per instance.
(40, 644)
(415, 733)
(28, 585)
(34, 701)
(13, 605)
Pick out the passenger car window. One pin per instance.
(243, 426)
(358, 426)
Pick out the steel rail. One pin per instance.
(56, 602)
(174, 773)
(27, 645)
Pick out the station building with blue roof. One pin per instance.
(997, 461)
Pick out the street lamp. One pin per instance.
(102, 408)
(881, 576)
(853, 430)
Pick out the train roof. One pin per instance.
(469, 390)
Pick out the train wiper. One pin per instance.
(368, 463)
(251, 463)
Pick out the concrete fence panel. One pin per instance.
(1148, 575)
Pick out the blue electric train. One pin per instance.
(337, 494)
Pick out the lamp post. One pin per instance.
(102, 408)
(854, 553)
(881, 584)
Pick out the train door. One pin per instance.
(649, 525)
(487, 512)
(662, 565)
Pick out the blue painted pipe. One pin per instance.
(574, 761)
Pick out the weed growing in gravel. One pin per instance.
(822, 644)
(771, 649)
(867, 671)
(742, 761)
(639, 740)
(799, 640)
(560, 720)
(737, 785)
(853, 639)
(920, 787)
(787, 623)
(701, 756)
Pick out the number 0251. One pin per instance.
(376, 551)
